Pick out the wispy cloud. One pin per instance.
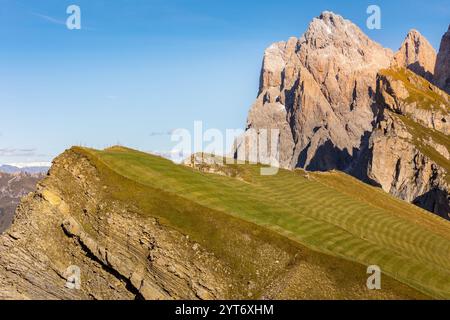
(57, 21)
(11, 152)
(176, 156)
(161, 133)
(49, 18)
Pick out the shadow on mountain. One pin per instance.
(329, 157)
(436, 201)
(420, 71)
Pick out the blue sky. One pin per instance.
(138, 69)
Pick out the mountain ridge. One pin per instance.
(80, 210)
(322, 93)
(138, 226)
(417, 54)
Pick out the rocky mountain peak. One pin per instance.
(321, 93)
(327, 25)
(317, 90)
(330, 29)
(329, 40)
(442, 70)
(416, 54)
(339, 45)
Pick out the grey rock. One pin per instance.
(442, 70)
(416, 54)
(318, 92)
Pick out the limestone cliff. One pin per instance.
(322, 94)
(416, 54)
(318, 92)
(410, 146)
(87, 216)
(71, 220)
(442, 70)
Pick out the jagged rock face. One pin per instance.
(318, 92)
(401, 169)
(121, 254)
(321, 93)
(442, 70)
(409, 148)
(416, 54)
(407, 94)
(76, 218)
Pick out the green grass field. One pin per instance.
(330, 213)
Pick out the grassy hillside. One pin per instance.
(421, 134)
(421, 92)
(334, 217)
(422, 95)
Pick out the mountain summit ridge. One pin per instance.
(322, 93)
(330, 72)
(139, 226)
(417, 54)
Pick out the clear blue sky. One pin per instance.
(139, 68)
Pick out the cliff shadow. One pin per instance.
(436, 201)
(328, 157)
(420, 71)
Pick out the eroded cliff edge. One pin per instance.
(84, 214)
(71, 220)
(409, 155)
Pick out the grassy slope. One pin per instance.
(426, 96)
(421, 134)
(421, 92)
(330, 213)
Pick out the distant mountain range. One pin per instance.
(40, 167)
(13, 186)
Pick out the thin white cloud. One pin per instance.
(49, 18)
(176, 156)
(11, 152)
(55, 20)
(161, 133)
(22, 165)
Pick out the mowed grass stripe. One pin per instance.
(390, 229)
(317, 215)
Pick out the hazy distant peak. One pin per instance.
(22, 165)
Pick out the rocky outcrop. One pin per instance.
(404, 170)
(416, 54)
(409, 149)
(213, 164)
(442, 70)
(405, 93)
(71, 221)
(317, 91)
(87, 220)
(320, 92)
